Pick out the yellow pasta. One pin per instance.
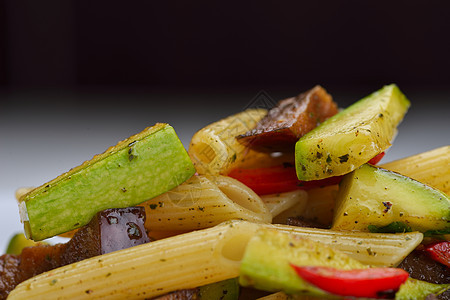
(278, 203)
(163, 234)
(215, 150)
(377, 249)
(319, 207)
(431, 167)
(204, 201)
(181, 262)
(191, 260)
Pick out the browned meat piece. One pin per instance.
(302, 222)
(9, 265)
(110, 230)
(420, 266)
(434, 297)
(190, 294)
(252, 294)
(31, 262)
(289, 120)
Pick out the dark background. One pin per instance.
(223, 45)
(77, 76)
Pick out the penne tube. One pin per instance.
(319, 207)
(215, 150)
(158, 235)
(376, 249)
(429, 167)
(194, 259)
(204, 201)
(278, 203)
(146, 271)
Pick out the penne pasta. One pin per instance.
(376, 249)
(215, 150)
(212, 236)
(429, 167)
(204, 201)
(181, 262)
(278, 203)
(319, 207)
(158, 235)
(194, 259)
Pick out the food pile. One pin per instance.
(282, 203)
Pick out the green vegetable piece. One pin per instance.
(267, 259)
(352, 137)
(378, 197)
(394, 227)
(135, 170)
(224, 290)
(440, 234)
(417, 289)
(18, 242)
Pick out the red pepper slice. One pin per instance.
(376, 159)
(277, 179)
(283, 178)
(439, 251)
(369, 283)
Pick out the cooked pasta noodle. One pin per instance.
(215, 150)
(319, 207)
(181, 262)
(377, 249)
(204, 201)
(278, 203)
(429, 167)
(194, 259)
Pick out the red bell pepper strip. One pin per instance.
(277, 179)
(369, 283)
(376, 159)
(439, 251)
(283, 178)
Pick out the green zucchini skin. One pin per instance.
(136, 169)
(352, 137)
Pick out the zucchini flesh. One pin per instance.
(352, 137)
(269, 253)
(378, 197)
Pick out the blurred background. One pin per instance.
(77, 76)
